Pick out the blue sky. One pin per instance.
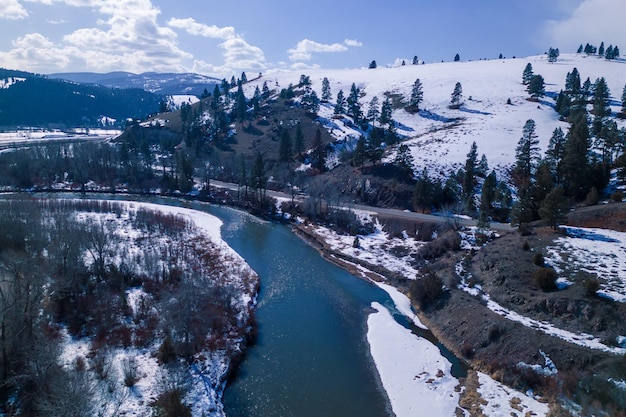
(225, 38)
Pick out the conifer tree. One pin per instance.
(372, 65)
(580, 49)
(386, 111)
(298, 140)
(319, 152)
(555, 152)
(457, 58)
(309, 101)
(469, 177)
(258, 177)
(527, 74)
(415, 60)
(456, 99)
(340, 106)
(526, 154)
(373, 111)
(354, 107)
(423, 192)
(326, 94)
(244, 78)
(360, 152)
(624, 100)
(554, 208)
(601, 49)
(536, 87)
(572, 82)
(404, 160)
(417, 95)
(265, 91)
(575, 164)
(553, 54)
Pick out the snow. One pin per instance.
(600, 252)
(503, 401)
(37, 135)
(176, 101)
(413, 372)
(402, 303)
(8, 82)
(439, 138)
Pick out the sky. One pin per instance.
(223, 38)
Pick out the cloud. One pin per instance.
(12, 9)
(305, 49)
(593, 21)
(199, 29)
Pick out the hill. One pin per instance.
(68, 104)
(158, 83)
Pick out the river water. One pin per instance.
(311, 356)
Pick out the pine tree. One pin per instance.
(373, 112)
(372, 65)
(265, 91)
(241, 105)
(471, 163)
(601, 49)
(360, 152)
(601, 96)
(609, 53)
(555, 152)
(527, 74)
(624, 100)
(284, 149)
(526, 154)
(386, 112)
(554, 207)
(326, 94)
(580, 49)
(417, 96)
(404, 160)
(575, 164)
(572, 82)
(423, 192)
(340, 106)
(456, 99)
(244, 78)
(258, 177)
(483, 166)
(415, 60)
(488, 193)
(553, 54)
(309, 101)
(354, 107)
(319, 152)
(536, 87)
(457, 58)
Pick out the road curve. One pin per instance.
(395, 213)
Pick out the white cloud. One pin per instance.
(199, 29)
(12, 9)
(352, 42)
(593, 21)
(305, 49)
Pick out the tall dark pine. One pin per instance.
(456, 98)
(575, 164)
(340, 106)
(457, 58)
(319, 152)
(386, 110)
(536, 88)
(417, 95)
(555, 152)
(624, 100)
(354, 107)
(326, 94)
(553, 54)
(526, 155)
(471, 164)
(527, 74)
(284, 149)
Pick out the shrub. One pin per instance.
(526, 246)
(426, 290)
(545, 278)
(129, 371)
(539, 260)
(170, 404)
(449, 241)
(591, 285)
(617, 196)
(167, 350)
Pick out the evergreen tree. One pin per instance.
(483, 166)
(305, 80)
(265, 91)
(544, 182)
(244, 78)
(309, 101)
(469, 178)
(609, 52)
(319, 152)
(373, 112)
(258, 177)
(601, 49)
(372, 65)
(386, 112)
(360, 152)
(340, 106)
(572, 82)
(354, 107)
(233, 82)
(415, 60)
(624, 100)
(601, 96)
(373, 148)
(526, 154)
(404, 160)
(417, 95)
(580, 49)
(241, 105)
(298, 141)
(553, 54)
(527, 74)
(457, 58)
(456, 99)
(554, 207)
(555, 152)
(216, 98)
(326, 94)
(423, 192)
(488, 193)
(284, 150)
(536, 87)
(575, 164)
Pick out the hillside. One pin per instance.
(441, 137)
(68, 104)
(158, 83)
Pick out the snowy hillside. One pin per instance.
(439, 136)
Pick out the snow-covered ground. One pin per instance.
(24, 136)
(440, 137)
(204, 379)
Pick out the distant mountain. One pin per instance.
(28, 99)
(159, 83)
